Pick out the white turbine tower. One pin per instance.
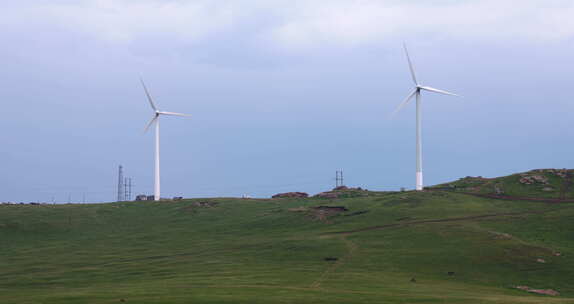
(155, 120)
(417, 92)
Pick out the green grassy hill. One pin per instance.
(392, 247)
(539, 183)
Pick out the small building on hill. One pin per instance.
(141, 197)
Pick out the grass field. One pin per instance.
(394, 247)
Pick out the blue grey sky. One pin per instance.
(282, 93)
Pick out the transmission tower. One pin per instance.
(127, 189)
(339, 178)
(120, 184)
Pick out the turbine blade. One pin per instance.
(404, 102)
(151, 123)
(438, 91)
(174, 114)
(411, 65)
(148, 95)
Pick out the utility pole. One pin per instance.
(120, 184)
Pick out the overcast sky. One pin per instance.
(282, 93)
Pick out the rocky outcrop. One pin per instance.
(533, 179)
(558, 172)
(345, 188)
(343, 191)
(291, 195)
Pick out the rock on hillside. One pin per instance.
(342, 192)
(291, 195)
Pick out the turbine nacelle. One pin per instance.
(418, 88)
(157, 112)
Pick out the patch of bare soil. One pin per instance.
(357, 213)
(321, 213)
(298, 209)
(205, 204)
(548, 292)
(500, 235)
(193, 207)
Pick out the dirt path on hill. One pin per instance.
(562, 199)
(522, 198)
(452, 219)
(351, 249)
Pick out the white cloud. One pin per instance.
(300, 25)
(358, 22)
(125, 20)
(122, 20)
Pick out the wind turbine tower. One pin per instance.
(155, 119)
(417, 94)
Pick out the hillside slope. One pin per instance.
(395, 247)
(553, 184)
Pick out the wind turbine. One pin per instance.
(155, 119)
(417, 93)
